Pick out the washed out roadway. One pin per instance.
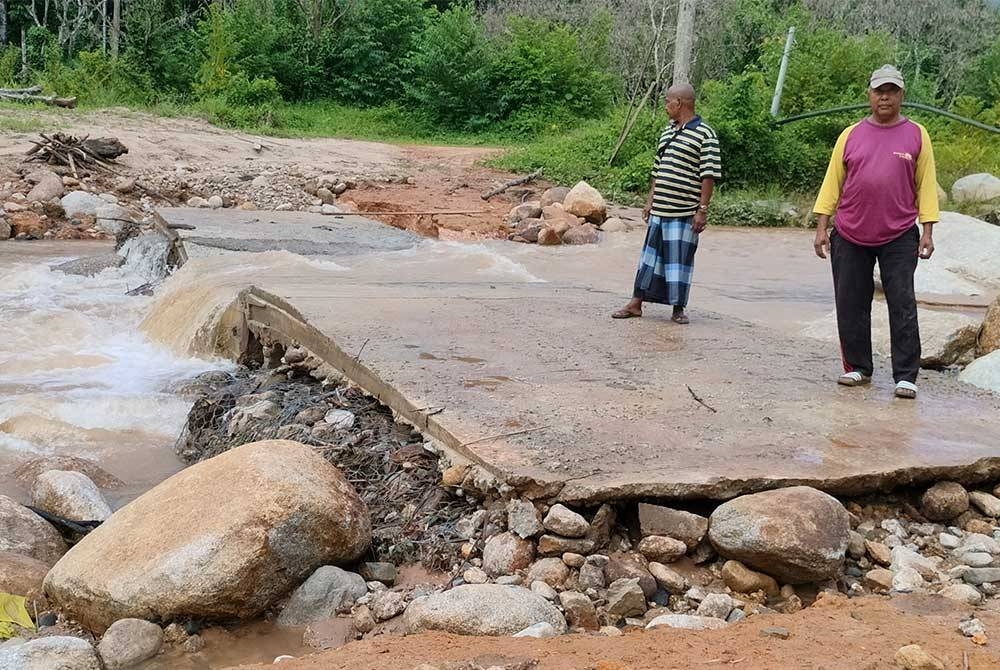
(505, 353)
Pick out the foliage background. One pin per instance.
(554, 80)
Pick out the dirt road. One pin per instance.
(834, 634)
(186, 157)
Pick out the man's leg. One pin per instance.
(680, 269)
(854, 288)
(897, 262)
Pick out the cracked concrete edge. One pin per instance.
(260, 311)
(256, 310)
(586, 491)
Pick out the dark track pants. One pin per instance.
(854, 288)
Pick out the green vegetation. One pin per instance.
(552, 80)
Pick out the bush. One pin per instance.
(367, 58)
(541, 64)
(10, 66)
(756, 213)
(451, 71)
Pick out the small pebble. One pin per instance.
(776, 631)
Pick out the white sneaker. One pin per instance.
(906, 390)
(853, 379)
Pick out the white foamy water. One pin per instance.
(491, 261)
(77, 377)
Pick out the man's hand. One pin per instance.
(700, 221)
(822, 242)
(646, 210)
(926, 244)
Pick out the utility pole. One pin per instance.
(779, 87)
(3, 23)
(684, 42)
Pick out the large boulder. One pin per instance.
(24, 532)
(225, 538)
(556, 194)
(129, 642)
(77, 203)
(51, 653)
(71, 495)
(326, 592)
(527, 210)
(28, 473)
(22, 575)
(976, 188)
(944, 501)
(795, 534)
(482, 609)
(946, 338)
(585, 234)
(505, 554)
(684, 526)
(585, 201)
(983, 372)
(111, 218)
(989, 333)
(48, 186)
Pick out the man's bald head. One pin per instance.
(680, 102)
(682, 92)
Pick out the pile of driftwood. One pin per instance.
(31, 94)
(60, 149)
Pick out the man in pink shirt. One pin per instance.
(880, 181)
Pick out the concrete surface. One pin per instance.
(505, 353)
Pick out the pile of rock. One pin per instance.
(261, 186)
(563, 216)
(952, 547)
(41, 204)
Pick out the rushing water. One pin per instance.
(77, 377)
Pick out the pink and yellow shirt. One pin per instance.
(881, 179)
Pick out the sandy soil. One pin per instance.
(835, 634)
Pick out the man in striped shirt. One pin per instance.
(687, 165)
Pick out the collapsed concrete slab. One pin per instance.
(508, 359)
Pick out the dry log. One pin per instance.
(514, 182)
(31, 95)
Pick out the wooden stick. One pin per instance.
(514, 182)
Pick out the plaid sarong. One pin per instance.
(667, 262)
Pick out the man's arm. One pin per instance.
(829, 194)
(928, 207)
(701, 216)
(649, 201)
(710, 168)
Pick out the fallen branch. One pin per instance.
(23, 95)
(65, 525)
(514, 182)
(700, 401)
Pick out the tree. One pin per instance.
(684, 42)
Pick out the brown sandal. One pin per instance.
(625, 314)
(681, 319)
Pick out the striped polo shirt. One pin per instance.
(684, 157)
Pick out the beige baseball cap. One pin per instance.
(887, 74)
